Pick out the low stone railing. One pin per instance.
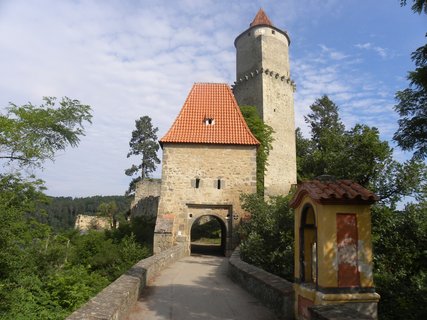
(273, 291)
(115, 301)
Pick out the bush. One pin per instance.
(400, 260)
(267, 238)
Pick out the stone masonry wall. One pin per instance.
(115, 301)
(146, 200)
(181, 202)
(85, 222)
(147, 188)
(273, 291)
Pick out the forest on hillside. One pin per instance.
(47, 268)
(60, 212)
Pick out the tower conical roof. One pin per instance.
(210, 115)
(261, 18)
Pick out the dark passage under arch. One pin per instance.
(208, 236)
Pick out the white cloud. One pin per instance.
(333, 54)
(382, 52)
(360, 97)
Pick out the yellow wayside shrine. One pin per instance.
(333, 246)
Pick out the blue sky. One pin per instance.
(133, 58)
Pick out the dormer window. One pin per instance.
(209, 121)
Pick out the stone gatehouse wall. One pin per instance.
(202, 179)
(115, 301)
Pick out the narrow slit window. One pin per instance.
(218, 184)
(197, 183)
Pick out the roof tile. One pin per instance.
(210, 115)
(261, 18)
(333, 192)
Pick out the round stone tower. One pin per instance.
(263, 80)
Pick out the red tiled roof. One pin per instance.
(210, 102)
(333, 192)
(261, 18)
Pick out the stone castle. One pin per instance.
(209, 160)
(209, 153)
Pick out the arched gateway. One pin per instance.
(210, 233)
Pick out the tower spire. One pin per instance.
(261, 18)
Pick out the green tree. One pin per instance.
(264, 134)
(108, 210)
(412, 108)
(418, 6)
(400, 260)
(412, 102)
(357, 154)
(324, 121)
(29, 134)
(268, 236)
(143, 144)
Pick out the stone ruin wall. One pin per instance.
(85, 222)
(147, 196)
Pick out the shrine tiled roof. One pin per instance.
(210, 115)
(331, 191)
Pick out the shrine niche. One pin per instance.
(333, 246)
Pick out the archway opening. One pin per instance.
(208, 236)
(308, 246)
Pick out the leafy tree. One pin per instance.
(357, 154)
(419, 5)
(141, 227)
(324, 120)
(30, 134)
(412, 102)
(143, 143)
(264, 134)
(109, 210)
(412, 108)
(268, 236)
(400, 260)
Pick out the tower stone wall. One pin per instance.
(263, 80)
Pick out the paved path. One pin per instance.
(197, 287)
